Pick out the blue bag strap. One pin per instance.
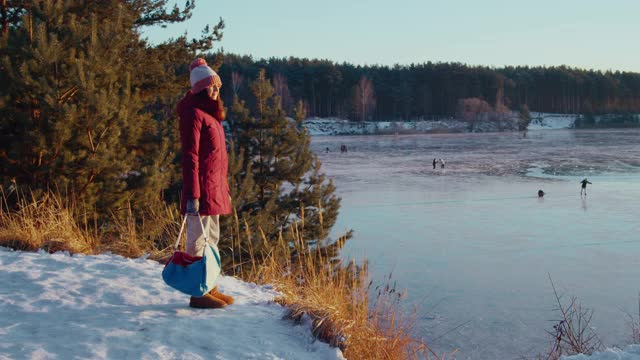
(217, 256)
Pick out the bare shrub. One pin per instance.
(364, 98)
(634, 325)
(572, 333)
(472, 109)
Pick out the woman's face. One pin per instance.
(213, 91)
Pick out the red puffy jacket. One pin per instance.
(204, 156)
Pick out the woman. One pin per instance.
(205, 190)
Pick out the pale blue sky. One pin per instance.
(598, 34)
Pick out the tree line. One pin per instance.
(433, 90)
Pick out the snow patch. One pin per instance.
(335, 126)
(631, 352)
(110, 307)
(539, 121)
(547, 121)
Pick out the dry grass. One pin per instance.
(54, 223)
(48, 222)
(335, 298)
(153, 233)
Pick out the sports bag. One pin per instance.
(193, 275)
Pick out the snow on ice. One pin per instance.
(336, 126)
(631, 352)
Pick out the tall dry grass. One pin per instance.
(151, 232)
(48, 222)
(335, 297)
(53, 223)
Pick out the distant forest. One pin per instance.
(431, 90)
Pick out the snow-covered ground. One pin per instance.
(631, 352)
(56, 306)
(335, 126)
(546, 121)
(539, 121)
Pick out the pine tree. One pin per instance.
(275, 178)
(88, 105)
(524, 118)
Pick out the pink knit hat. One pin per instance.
(202, 76)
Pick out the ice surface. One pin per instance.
(474, 244)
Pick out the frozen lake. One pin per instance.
(475, 246)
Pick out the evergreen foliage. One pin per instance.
(88, 110)
(275, 180)
(87, 105)
(432, 90)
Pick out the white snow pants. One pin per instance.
(195, 238)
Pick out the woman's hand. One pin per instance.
(193, 206)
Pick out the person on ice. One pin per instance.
(442, 163)
(205, 190)
(584, 183)
(434, 163)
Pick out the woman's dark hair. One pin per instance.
(214, 108)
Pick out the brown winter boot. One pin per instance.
(226, 298)
(206, 302)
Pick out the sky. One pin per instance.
(589, 34)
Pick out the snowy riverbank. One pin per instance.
(539, 121)
(110, 307)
